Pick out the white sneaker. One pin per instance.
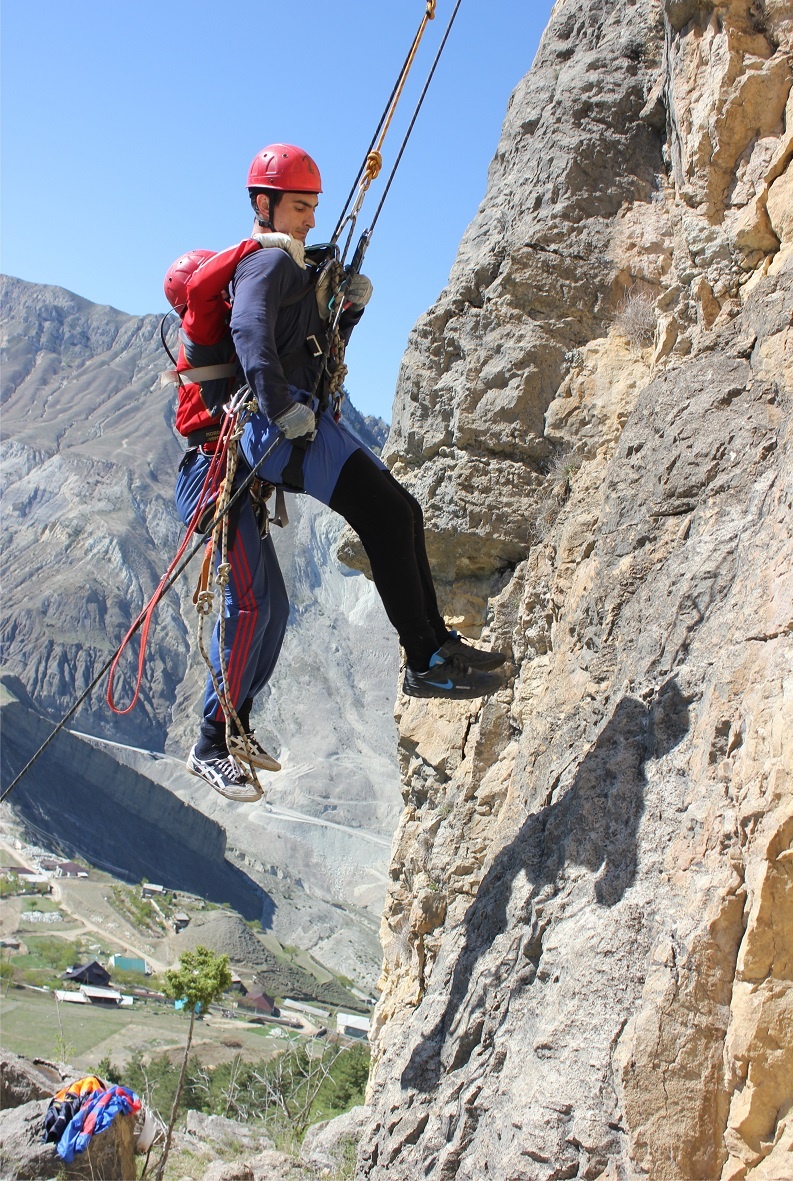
(255, 754)
(226, 776)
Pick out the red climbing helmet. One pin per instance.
(285, 168)
(175, 284)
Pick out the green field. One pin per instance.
(29, 1024)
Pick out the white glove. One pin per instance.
(323, 292)
(298, 420)
(358, 291)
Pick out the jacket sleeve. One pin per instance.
(262, 282)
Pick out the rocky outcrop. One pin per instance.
(329, 1145)
(586, 936)
(110, 1155)
(22, 1080)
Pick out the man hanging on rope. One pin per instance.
(279, 337)
(248, 635)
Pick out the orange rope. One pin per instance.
(374, 161)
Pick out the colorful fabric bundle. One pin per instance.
(65, 1104)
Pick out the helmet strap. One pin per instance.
(272, 200)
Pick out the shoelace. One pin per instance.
(230, 769)
(454, 666)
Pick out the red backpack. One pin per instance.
(197, 285)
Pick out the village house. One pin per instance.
(70, 869)
(261, 1002)
(129, 963)
(352, 1025)
(92, 974)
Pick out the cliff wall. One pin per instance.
(587, 937)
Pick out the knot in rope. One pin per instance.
(374, 162)
(204, 601)
(431, 9)
(223, 573)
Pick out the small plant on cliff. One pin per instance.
(635, 319)
(201, 978)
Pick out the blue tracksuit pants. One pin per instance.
(255, 607)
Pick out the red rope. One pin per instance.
(146, 616)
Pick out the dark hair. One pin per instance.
(274, 196)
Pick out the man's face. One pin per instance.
(294, 214)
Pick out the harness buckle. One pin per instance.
(316, 350)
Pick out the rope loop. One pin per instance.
(204, 601)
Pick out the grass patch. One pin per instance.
(30, 1024)
(44, 905)
(46, 960)
(138, 911)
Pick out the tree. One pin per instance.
(6, 975)
(201, 978)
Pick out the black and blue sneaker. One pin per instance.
(476, 658)
(221, 771)
(449, 676)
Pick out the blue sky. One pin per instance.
(127, 131)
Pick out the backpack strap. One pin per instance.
(203, 373)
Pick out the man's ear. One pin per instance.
(263, 206)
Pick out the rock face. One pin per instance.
(587, 934)
(22, 1080)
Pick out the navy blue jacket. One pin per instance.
(273, 314)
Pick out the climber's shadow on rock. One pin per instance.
(593, 824)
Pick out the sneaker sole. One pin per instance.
(263, 762)
(247, 793)
(458, 693)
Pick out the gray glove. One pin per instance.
(358, 291)
(298, 420)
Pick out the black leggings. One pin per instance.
(390, 524)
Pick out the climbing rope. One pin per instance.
(144, 620)
(373, 161)
(409, 131)
(166, 583)
(218, 573)
(333, 367)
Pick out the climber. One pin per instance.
(278, 324)
(255, 600)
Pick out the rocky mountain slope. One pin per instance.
(89, 462)
(587, 936)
